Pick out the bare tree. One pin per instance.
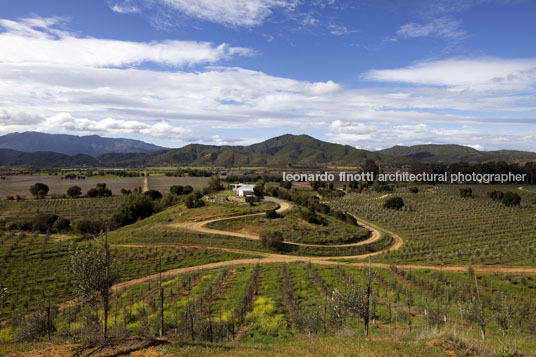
(92, 267)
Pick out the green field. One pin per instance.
(306, 306)
(297, 301)
(440, 227)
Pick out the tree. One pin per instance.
(370, 166)
(74, 191)
(133, 207)
(258, 189)
(39, 190)
(92, 266)
(511, 199)
(214, 184)
(533, 201)
(413, 189)
(153, 194)
(100, 190)
(394, 203)
(194, 200)
(272, 240)
(181, 190)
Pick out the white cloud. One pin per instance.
(246, 13)
(66, 122)
(45, 43)
(61, 91)
(379, 136)
(493, 74)
(443, 27)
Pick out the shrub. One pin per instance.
(61, 225)
(88, 226)
(272, 214)
(99, 191)
(272, 240)
(495, 195)
(181, 190)
(394, 203)
(413, 189)
(466, 192)
(310, 216)
(43, 222)
(74, 191)
(194, 200)
(153, 194)
(39, 190)
(511, 199)
(533, 201)
(133, 207)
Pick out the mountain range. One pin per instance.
(279, 152)
(94, 145)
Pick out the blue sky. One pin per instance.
(371, 73)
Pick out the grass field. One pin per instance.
(440, 227)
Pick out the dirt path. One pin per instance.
(201, 227)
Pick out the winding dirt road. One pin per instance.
(201, 227)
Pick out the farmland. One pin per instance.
(441, 227)
(448, 275)
(19, 185)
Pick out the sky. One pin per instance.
(368, 73)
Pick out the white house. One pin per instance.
(243, 190)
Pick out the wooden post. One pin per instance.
(162, 332)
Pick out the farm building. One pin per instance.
(244, 191)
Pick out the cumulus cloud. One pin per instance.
(44, 42)
(443, 27)
(66, 122)
(488, 74)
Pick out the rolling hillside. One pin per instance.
(283, 151)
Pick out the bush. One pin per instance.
(533, 201)
(74, 191)
(466, 192)
(39, 190)
(495, 195)
(413, 189)
(181, 190)
(394, 203)
(44, 222)
(153, 194)
(272, 214)
(511, 199)
(88, 226)
(272, 240)
(310, 216)
(193, 200)
(61, 225)
(133, 207)
(99, 191)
